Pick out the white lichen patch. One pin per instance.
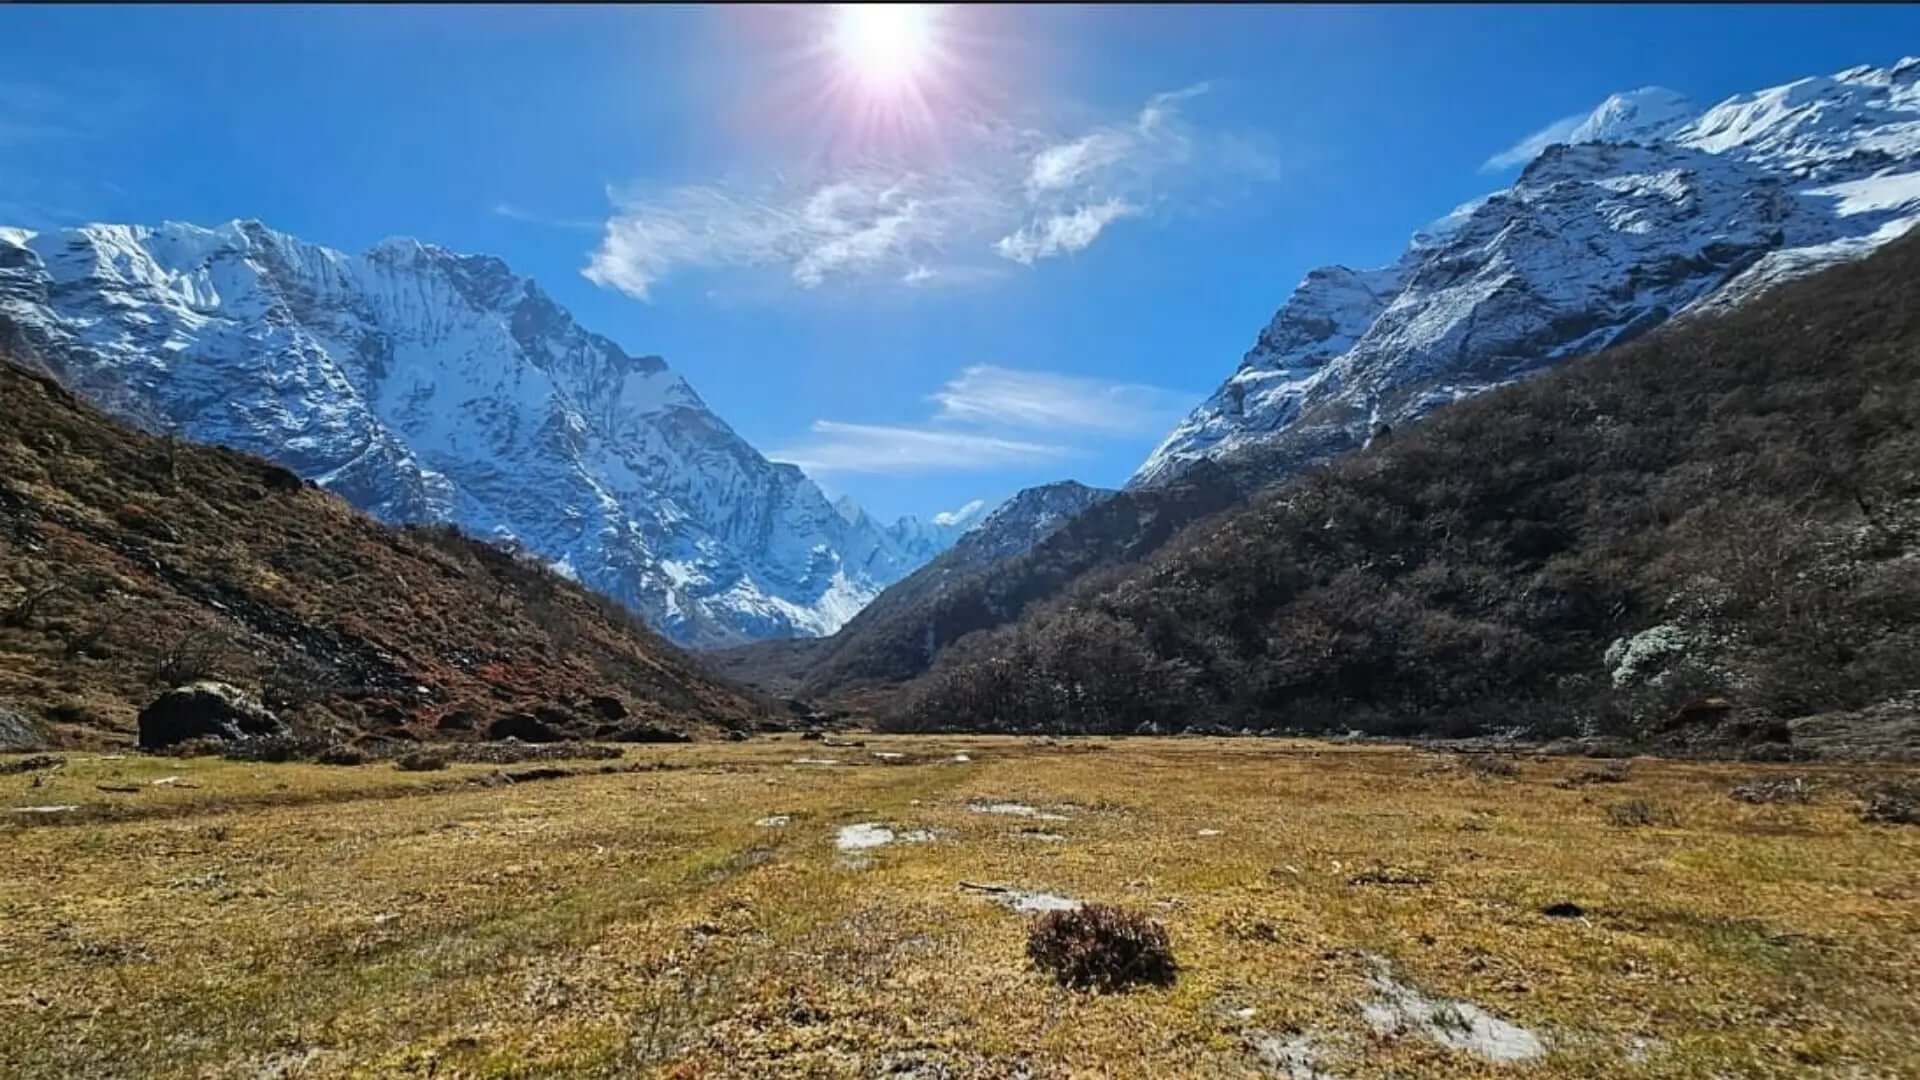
(1033, 903)
(1013, 809)
(1458, 1025)
(871, 834)
(1293, 1057)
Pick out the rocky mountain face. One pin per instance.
(133, 566)
(426, 386)
(1652, 210)
(1016, 525)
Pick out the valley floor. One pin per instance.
(1336, 910)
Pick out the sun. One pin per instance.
(885, 47)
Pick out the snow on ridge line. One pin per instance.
(1701, 213)
(432, 386)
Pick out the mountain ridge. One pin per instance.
(1600, 238)
(428, 386)
(131, 563)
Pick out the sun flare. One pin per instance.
(885, 46)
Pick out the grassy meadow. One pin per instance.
(1336, 910)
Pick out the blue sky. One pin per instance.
(1019, 261)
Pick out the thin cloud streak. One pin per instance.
(514, 213)
(988, 395)
(1529, 148)
(876, 448)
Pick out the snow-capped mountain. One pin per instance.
(428, 386)
(1653, 209)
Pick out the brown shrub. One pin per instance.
(1613, 772)
(1892, 804)
(1102, 948)
(1639, 813)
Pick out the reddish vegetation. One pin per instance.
(130, 562)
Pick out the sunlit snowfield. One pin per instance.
(1340, 910)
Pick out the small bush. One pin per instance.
(1639, 813)
(1613, 772)
(1892, 804)
(191, 656)
(421, 761)
(342, 754)
(1489, 765)
(1791, 789)
(1102, 948)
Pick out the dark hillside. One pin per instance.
(1725, 514)
(129, 563)
(899, 634)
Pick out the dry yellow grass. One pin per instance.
(301, 920)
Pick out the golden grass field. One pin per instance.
(306, 920)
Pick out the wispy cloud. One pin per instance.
(1062, 234)
(874, 448)
(1058, 168)
(1076, 188)
(513, 212)
(1529, 148)
(1019, 196)
(985, 419)
(873, 221)
(988, 395)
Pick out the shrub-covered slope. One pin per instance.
(130, 562)
(974, 587)
(1728, 508)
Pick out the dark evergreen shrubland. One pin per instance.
(1725, 508)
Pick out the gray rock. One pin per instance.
(523, 726)
(205, 710)
(19, 733)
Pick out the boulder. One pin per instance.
(607, 707)
(20, 734)
(523, 726)
(205, 710)
(1706, 710)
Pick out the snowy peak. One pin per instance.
(1864, 110)
(948, 519)
(1650, 209)
(1643, 115)
(426, 385)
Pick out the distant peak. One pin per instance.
(1644, 115)
(848, 510)
(949, 518)
(398, 247)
